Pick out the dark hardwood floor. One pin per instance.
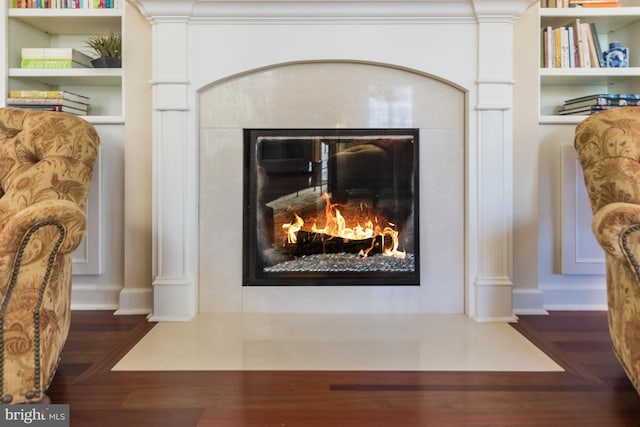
(592, 392)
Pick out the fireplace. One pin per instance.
(331, 207)
(443, 67)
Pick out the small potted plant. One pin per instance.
(108, 48)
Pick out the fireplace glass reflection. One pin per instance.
(331, 207)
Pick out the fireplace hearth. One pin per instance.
(331, 207)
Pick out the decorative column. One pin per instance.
(175, 218)
(490, 249)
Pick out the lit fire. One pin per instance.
(336, 226)
(292, 229)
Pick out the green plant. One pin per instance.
(106, 44)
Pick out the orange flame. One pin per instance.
(336, 225)
(292, 229)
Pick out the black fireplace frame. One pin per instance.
(254, 275)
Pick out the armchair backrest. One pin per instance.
(608, 145)
(44, 155)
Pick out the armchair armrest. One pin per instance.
(616, 227)
(48, 227)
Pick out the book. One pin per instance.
(56, 53)
(56, 94)
(574, 57)
(585, 111)
(60, 108)
(47, 101)
(608, 96)
(579, 42)
(593, 54)
(598, 45)
(587, 5)
(565, 52)
(584, 47)
(549, 48)
(51, 63)
(602, 101)
(67, 4)
(557, 49)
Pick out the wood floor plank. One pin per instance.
(593, 390)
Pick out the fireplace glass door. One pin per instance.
(331, 207)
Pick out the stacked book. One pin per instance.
(571, 46)
(50, 100)
(54, 57)
(594, 3)
(579, 3)
(587, 105)
(67, 4)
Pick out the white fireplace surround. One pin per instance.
(466, 43)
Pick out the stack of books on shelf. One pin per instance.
(55, 57)
(66, 4)
(579, 3)
(590, 104)
(50, 100)
(576, 45)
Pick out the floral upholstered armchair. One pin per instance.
(608, 145)
(46, 164)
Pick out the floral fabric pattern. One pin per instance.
(608, 146)
(46, 165)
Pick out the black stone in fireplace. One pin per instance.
(331, 207)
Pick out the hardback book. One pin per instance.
(579, 43)
(56, 53)
(67, 4)
(586, 2)
(621, 102)
(549, 48)
(609, 96)
(51, 63)
(591, 42)
(61, 108)
(47, 101)
(585, 111)
(584, 46)
(594, 4)
(598, 45)
(56, 94)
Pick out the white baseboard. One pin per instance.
(528, 301)
(135, 301)
(572, 297)
(94, 297)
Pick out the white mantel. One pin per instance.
(468, 43)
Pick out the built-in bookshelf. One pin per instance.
(557, 84)
(46, 27)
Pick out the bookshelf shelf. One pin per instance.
(63, 28)
(608, 19)
(70, 21)
(587, 76)
(559, 84)
(79, 76)
(560, 120)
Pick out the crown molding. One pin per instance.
(338, 10)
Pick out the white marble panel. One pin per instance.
(349, 342)
(327, 95)
(321, 94)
